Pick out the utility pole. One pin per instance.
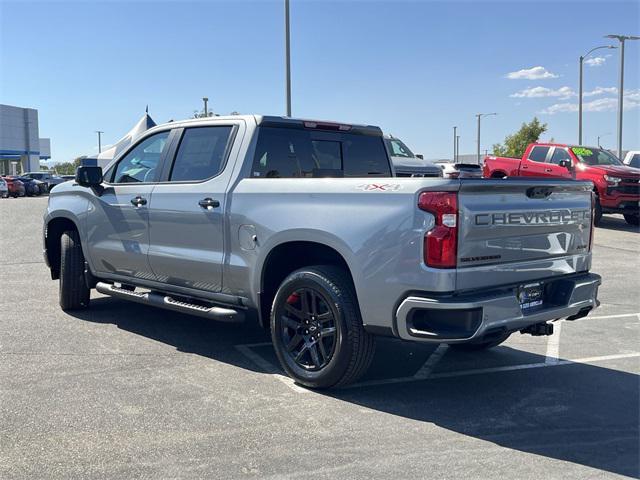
(206, 110)
(582, 57)
(287, 49)
(455, 147)
(621, 39)
(480, 115)
(99, 132)
(455, 160)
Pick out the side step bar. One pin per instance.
(158, 299)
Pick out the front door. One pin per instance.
(553, 169)
(186, 213)
(118, 217)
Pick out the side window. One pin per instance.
(365, 156)
(635, 161)
(538, 154)
(282, 153)
(141, 163)
(559, 154)
(201, 153)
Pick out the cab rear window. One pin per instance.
(299, 153)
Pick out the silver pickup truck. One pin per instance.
(302, 225)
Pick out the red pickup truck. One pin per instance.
(617, 186)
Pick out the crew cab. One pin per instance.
(617, 186)
(300, 225)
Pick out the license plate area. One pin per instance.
(530, 296)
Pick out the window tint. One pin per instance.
(538, 154)
(559, 154)
(140, 164)
(635, 161)
(294, 153)
(200, 154)
(398, 149)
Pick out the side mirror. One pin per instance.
(565, 163)
(89, 176)
(420, 156)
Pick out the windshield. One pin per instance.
(595, 156)
(398, 149)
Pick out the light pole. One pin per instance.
(99, 132)
(455, 147)
(621, 39)
(287, 49)
(455, 160)
(206, 111)
(480, 115)
(603, 135)
(582, 57)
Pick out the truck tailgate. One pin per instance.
(518, 230)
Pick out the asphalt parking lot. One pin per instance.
(124, 390)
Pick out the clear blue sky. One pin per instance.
(414, 68)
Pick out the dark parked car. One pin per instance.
(30, 186)
(43, 187)
(48, 178)
(15, 186)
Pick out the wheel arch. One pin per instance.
(287, 257)
(54, 229)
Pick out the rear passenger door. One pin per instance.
(186, 213)
(534, 165)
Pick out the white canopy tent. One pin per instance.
(112, 151)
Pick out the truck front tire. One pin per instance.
(317, 330)
(74, 293)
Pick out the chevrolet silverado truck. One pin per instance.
(616, 186)
(301, 226)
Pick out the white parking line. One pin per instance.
(426, 371)
(553, 344)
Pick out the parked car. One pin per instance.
(43, 188)
(617, 186)
(460, 170)
(406, 163)
(67, 178)
(4, 189)
(30, 186)
(50, 179)
(234, 218)
(15, 186)
(632, 159)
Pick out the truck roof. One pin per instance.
(286, 122)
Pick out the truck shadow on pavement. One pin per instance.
(579, 413)
(616, 222)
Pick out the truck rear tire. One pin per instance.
(632, 219)
(74, 293)
(476, 347)
(317, 330)
(597, 213)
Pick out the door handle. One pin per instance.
(138, 201)
(209, 203)
(524, 166)
(548, 170)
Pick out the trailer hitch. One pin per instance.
(538, 329)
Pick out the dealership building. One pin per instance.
(21, 147)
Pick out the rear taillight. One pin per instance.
(441, 242)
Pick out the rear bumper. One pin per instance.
(468, 318)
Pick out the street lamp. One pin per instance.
(621, 39)
(206, 111)
(480, 115)
(99, 132)
(603, 135)
(455, 148)
(580, 89)
(287, 49)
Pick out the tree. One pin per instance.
(68, 168)
(515, 145)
